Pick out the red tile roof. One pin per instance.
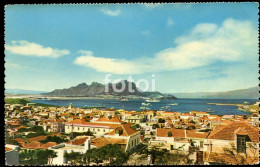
(14, 123)
(20, 127)
(226, 121)
(7, 149)
(78, 141)
(179, 133)
(114, 119)
(202, 112)
(49, 144)
(127, 130)
(102, 141)
(38, 145)
(19, 140)
(37, 138)
(33, 145)
(168, 112)
(229, 131)
(187, 114)
(83, 122)
(194, 134)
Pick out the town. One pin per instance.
(52, 135)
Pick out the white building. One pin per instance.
(62, 148)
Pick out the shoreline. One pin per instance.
(227, 104)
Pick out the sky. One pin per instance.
(203, 47)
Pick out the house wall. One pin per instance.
(167, 145)
(167, 139)
(133, 141)
(12, 157)
(218, 145)
(97, 131)
(59, 160)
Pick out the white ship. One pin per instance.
(152, 100)
(173, 104)
(124, 99)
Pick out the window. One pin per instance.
(241, 144)
(201, 143)
(132, 143)
(104, 130)
(171, 147)
(98, 130)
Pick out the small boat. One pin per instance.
(124, 99)
(173, 104)
(246, 102)
(209, 110)
(145, 106)
(152, 100)
(166, 108)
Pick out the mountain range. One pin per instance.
(97, 89)
(250, 93)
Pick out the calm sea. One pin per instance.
(183, 105)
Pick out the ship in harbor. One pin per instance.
(152, 100)
(145, 106)
(174, 104)
(123, 99)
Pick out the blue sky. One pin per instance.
(189, 47)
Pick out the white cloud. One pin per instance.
(170, 22)
(205, 44)
(116, 66)
(111, 12)
(33, 49)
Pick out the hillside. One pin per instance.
(250, 93)
(16, 101)
(97, 89)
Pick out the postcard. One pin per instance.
(131, 84)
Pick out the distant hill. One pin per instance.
(250, 93)
(22, 91)
(98, 89)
